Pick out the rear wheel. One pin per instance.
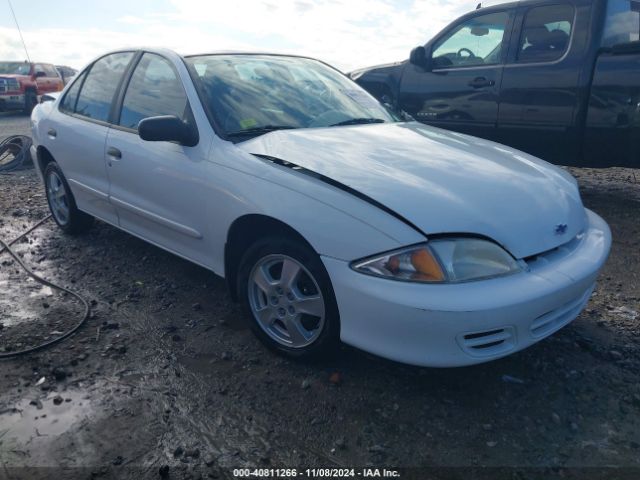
(287, 293)
(61, 202)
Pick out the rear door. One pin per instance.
(612, 133)
(160, 189)
(79, 130)
(540, 94)
(460, 89)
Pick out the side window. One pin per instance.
(477, 41)
(37, 68)
(154, 90)
(100, 86)
(68, 103)
(623, 22)
(545, 33)
(50, 71)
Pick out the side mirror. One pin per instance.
(40, 74)
(167, 128)
(47, 98)
(419, 57)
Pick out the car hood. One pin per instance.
(361, 71)
(441, 181)
(13, 75)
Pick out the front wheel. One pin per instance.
(287, 293)
(61, 202)
(30, 101)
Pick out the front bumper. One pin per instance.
(11, 101)
(468, 323)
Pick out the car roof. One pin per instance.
(519, 3)
(244, 52)
(173, 54)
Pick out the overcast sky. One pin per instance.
(346, 33)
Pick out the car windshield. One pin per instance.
(249, 95)
(14, 68)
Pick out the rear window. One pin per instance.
(100, 86)
(546, 33)
(50, 71)
(622, 24)
(69, 101)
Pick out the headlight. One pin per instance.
(442, 260)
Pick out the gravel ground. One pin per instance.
(13, 123)
(166, 379)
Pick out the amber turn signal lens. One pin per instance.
(426, 266)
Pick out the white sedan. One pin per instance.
(330, 217)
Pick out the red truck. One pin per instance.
(23, 83)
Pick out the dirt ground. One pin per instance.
(166, 380)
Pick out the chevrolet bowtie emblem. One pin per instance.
(561, 228)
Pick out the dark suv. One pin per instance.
(556, 78)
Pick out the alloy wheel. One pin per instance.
(286, 301)
(58, 198)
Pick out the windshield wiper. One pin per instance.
(358, 121)
(260, 130)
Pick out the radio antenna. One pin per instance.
(19, 31)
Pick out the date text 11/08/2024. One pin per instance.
(315, 473)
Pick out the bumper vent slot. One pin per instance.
(489, 342)
(552, 321)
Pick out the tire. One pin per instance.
(309, 303)
(62, 204)
(30, 101)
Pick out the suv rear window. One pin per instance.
(546, 33)
(622, 24)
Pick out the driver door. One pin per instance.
(161, 190)
(460, 88)
(43, 79)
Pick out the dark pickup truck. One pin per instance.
(559, 79)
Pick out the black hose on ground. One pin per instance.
(87, 309)
(14, 152)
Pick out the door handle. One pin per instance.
(52, 133)
(480, 82)
(114, 153)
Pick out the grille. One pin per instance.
(555, 254)
(9, 85)
(489, 342)
(558, 318)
